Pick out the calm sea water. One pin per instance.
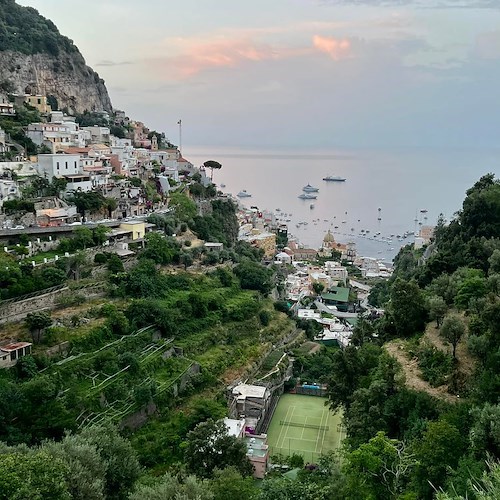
(402, 184)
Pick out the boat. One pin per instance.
(312, 206)
(244, 194)
(222, 185)
(307, 196)
(310, 189)
(333, 178)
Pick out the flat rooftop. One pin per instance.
(244, 391)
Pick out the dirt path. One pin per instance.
(413, 375)
(466, 363)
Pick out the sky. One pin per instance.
(309, 74)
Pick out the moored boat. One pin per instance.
(334, 178)
(310, 189)
(243, 194)
(307, 196)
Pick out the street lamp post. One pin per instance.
(180, 135)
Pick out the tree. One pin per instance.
(379, 468)
(318, 287)
(37, 322)
(229, 483)
(110, 205)
(407, 307)
(186, 259)
(86, 471)
(438, 451)
(100, 234)
(210, 447)
(172, 487)
(437, 309)
(83, 237)
(452, 331)
(254, 276)
(471, 288)
(185, 208)
(122, 466)
(115, 264)
(91, 201)
(159, 249)
(32, 476)
(485, 433)
(212, 165)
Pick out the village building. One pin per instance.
(11, 353)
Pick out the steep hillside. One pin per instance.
(35, 57)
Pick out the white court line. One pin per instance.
(326, 421)
(319, 433)
(283, 427)
(286, 427)
(303, 429)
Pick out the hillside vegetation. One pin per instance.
(23, 29)
(419, 387)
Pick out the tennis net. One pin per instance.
(305, 426)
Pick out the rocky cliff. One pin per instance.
(36, 59)
(65, 76)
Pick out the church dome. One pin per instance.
(328, 237)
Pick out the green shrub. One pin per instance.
(100, 258)
(436, 366)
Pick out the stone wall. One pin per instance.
(140, 417)
(17, 310)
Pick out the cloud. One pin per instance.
(448, 4)
(488, 45)
(271, 86)
(200, 55)
(109, 63)
(335, 48)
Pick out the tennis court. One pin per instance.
(304, 425)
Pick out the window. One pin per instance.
(57, 165)
(66, 165)
(13, 355)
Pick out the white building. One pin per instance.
(58, 165)
(8, 190)
(98, 134)
(10, 353)
(3, 141)
(336, 271)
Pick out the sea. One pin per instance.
(386, 195)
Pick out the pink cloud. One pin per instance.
(336, 48)
(202, 55)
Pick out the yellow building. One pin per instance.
(39, 102)
(266, 241)
(137, 228)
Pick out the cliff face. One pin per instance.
(65, 76)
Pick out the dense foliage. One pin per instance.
(23, 29)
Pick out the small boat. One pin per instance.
(307, 196)
(222, 185)
(244, 194)
(423, 211)
(310, 189)
(333, 178)
(312, 206)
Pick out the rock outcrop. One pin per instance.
(75, 85)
